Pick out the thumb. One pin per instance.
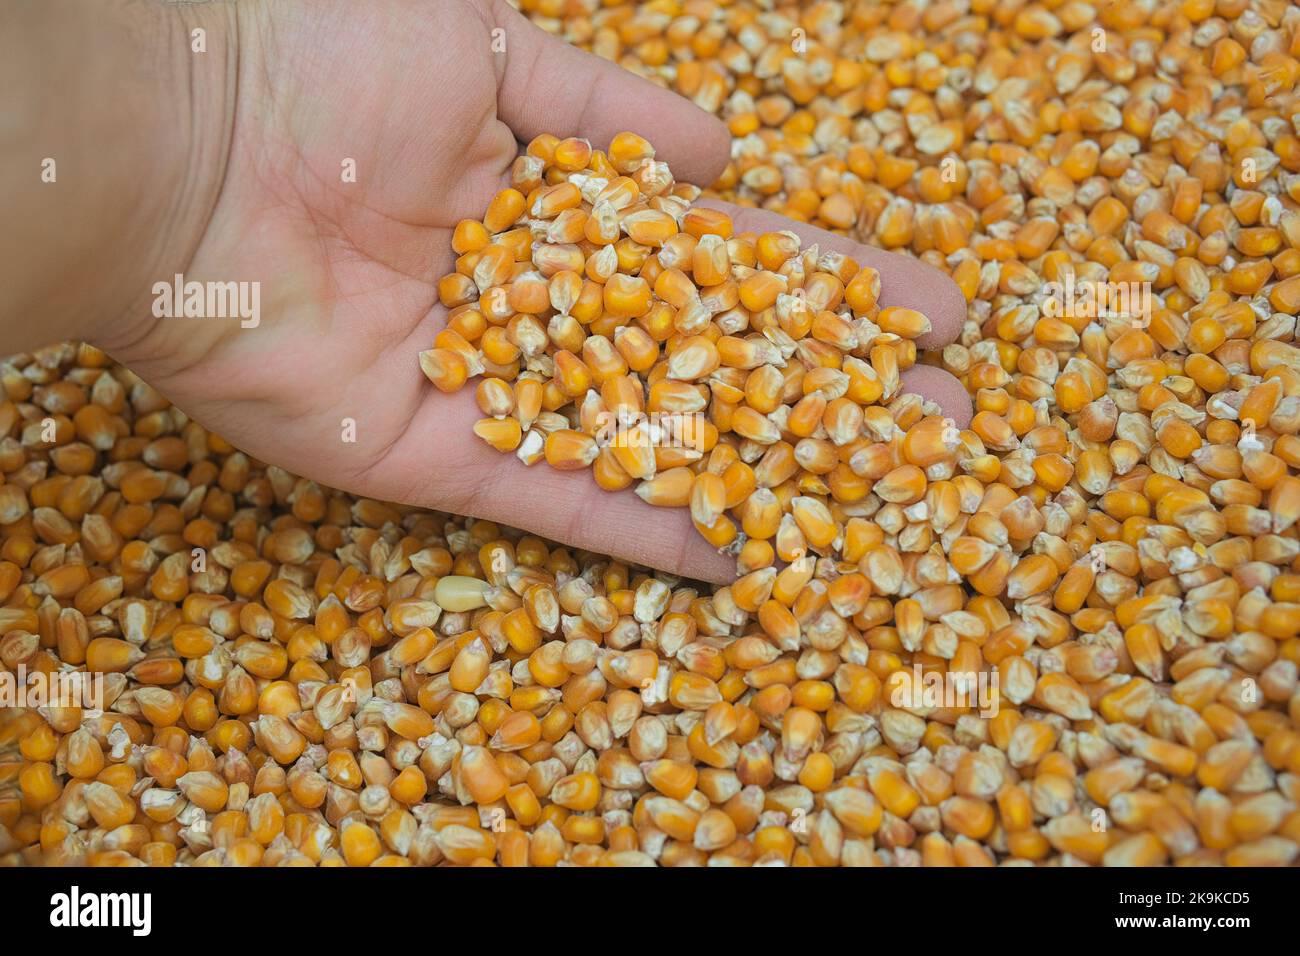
(547, 86)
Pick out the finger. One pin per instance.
(551, 87)
(572, 508)
(942, 388)
(467, 476)
(904, 281)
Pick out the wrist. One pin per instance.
(189, 63)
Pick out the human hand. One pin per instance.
(417, 99)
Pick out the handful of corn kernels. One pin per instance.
(619, 327)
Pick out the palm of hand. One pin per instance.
(342, 190)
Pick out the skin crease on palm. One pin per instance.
(412, 91)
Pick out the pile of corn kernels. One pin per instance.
(1114, 538)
